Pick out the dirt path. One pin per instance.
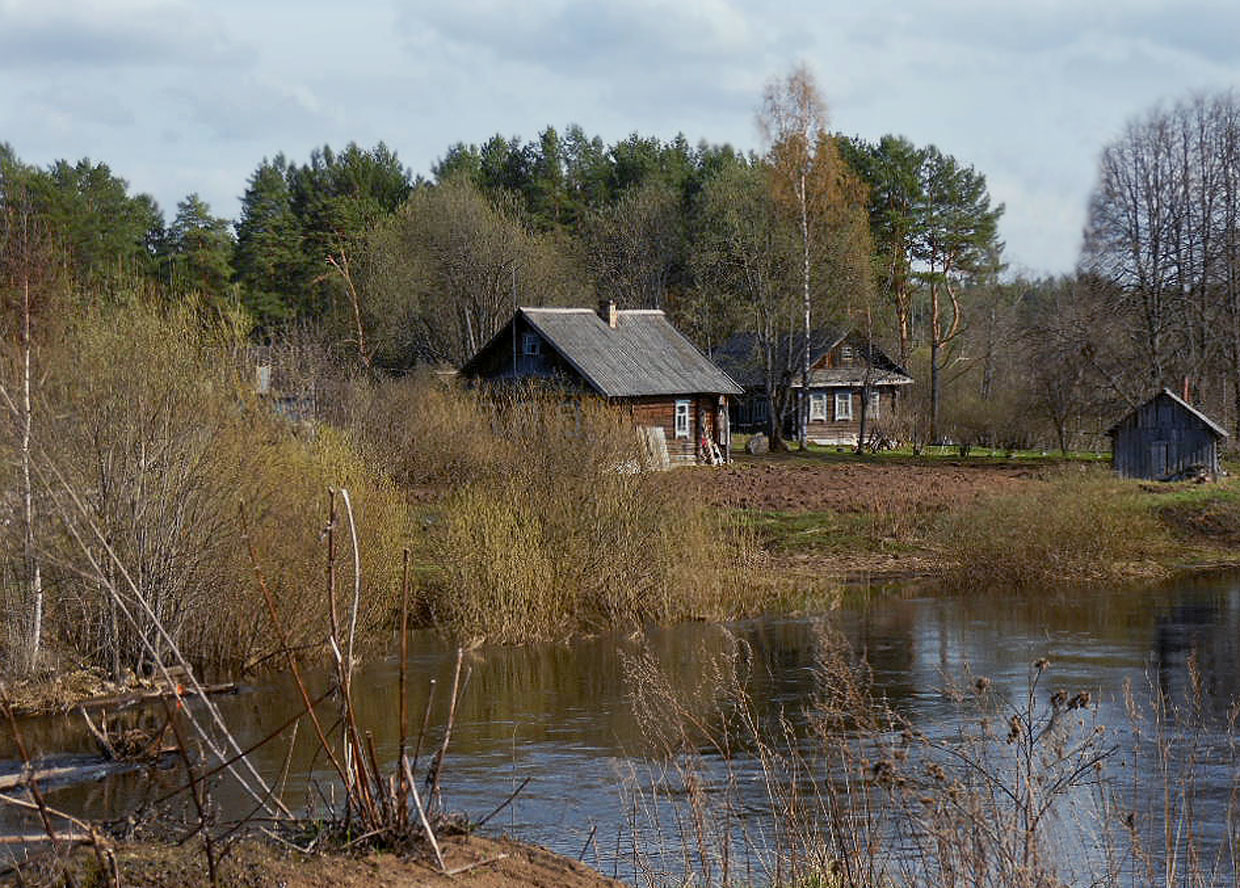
(805, 485)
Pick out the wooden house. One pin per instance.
(635, 359)
(1164, 439)
(844, 368)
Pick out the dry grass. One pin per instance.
(1083, 527)
(563, 534)
(1028, 789)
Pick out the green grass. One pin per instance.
(824, 533)
(928, 455)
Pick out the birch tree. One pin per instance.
(25, 270)
(792, 121)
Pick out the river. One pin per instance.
(561, 715)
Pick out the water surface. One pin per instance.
(562, 715)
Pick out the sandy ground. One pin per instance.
(472, 862)
(804, 485)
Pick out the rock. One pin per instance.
(757, 445)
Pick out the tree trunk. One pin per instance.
(934, 364)
(34, 577)
(803, 403)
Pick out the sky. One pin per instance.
(179, 96)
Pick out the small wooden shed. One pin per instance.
(1164, 439)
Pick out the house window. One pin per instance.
(847, 355)
(531, 344)
(759, 412)
(682, 419)
(843, 406)
(875, 400)
(817, 408)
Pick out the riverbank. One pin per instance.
(470, 861)
(824, 516)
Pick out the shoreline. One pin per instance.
(470, 861)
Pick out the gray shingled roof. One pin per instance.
(1209, 423)
(740, 356)
(643, 355)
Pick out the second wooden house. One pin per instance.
(844, 369)
(635, 359)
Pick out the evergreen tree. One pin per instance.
(892, 168)
(198, 251)
(268, 262)
(958, 244)
(106, 235)
(337, 199)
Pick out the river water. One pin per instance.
(562, 715)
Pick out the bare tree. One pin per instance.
(1162, 232)
(635, 244)
(26, 271)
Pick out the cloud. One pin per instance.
(658, 63)
(80, 105)
(243, 107)
(576, 38)
(59, 35)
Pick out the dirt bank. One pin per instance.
(477, 862)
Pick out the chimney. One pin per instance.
(608, 312)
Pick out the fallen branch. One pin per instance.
(426, 825)
(121, 701)
(477, 863)
(58, 839)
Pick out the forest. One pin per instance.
(389, 270)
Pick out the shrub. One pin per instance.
(1075, 529)
(563, 534)
(150, 446)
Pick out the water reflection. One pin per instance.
(562, 715)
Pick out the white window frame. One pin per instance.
(875, 401)
(531, 344)
(681, 419)
(843, 406)
(818, 408)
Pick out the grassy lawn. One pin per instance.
(930, 454)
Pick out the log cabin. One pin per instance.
(844, 369)
(634, 359)
(1164, 439)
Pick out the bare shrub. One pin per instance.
(164, 444)
(425, 430)
(1075, 529)
(559, 531)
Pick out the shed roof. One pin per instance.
(642, 355)
(1207, 421)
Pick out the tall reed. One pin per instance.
(1025, 788)
(563, 531)
(1080, 528)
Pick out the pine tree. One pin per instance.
(198, 252)
(268, 261)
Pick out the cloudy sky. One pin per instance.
(179, 96)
